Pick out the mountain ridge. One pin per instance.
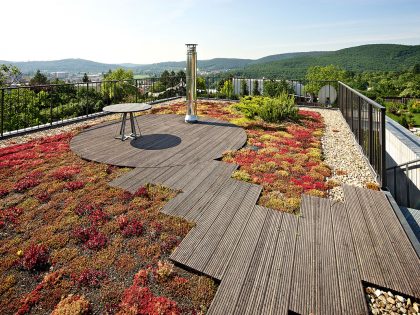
(372, 57)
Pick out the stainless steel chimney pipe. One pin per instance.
(191, 115)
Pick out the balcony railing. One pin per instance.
(41, 106)
(366, 119)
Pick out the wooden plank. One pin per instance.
(389, 263)
(405, 252)
(224, 231)
(252, 297)
(230, 288)
(219, 259)
(350, 289)
(277, 294)
(302, 297)
(216, 178)
(211, 225)
(326, 301)
(215, 189)
(125, 180)
(196, 187)
(364, 247)
(183, 251)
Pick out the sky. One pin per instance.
(142, 32)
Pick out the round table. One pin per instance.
(124, 109)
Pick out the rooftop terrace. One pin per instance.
(247, 210)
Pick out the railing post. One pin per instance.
(87, 99)
(137, 90)
(370, 133)
(383, 149)
(407, 184)
(51, 109)
(2, 112)
(359, 116)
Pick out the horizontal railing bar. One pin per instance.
(403, 164)
(367, 99)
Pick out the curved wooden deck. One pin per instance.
(268, 262)
(166, 141)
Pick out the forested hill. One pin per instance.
(376, 57)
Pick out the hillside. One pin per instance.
(66, 65)
(376, 57)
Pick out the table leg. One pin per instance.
(133, 127)
(122, 129)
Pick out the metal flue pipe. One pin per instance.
(191, 115)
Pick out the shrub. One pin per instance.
(90, 237)
(35, 257)
(164, 270)
(274, 88)
(25, 184)
(249, 106)
(277, 109)
(72, 304)
(372, 186)
(140, 300)
(415, 106)
(142, 192)
(66, 172)
(10, 215)
(241, 175)
(393, 107)
(72, 186)
(132, 228)
(90, 278)
(43, 196)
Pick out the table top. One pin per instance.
(127, 108)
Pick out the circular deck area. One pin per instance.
(166, 141)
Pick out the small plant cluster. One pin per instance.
(90, 278)
(72, 304)
(35, 257)
(71, 251)
(270, 109)
(140, 298)
(404, 114)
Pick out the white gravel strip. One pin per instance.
(342, 153)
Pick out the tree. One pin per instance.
(201, 84)
(273, 88)
(315, 75)
(85, 78)
(255, 89)
(9, 74)
(39, 79)
(244, 88)
(180, 75)
(227, 89)
(117, 91)
(416, 69)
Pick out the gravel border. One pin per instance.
(342, 153)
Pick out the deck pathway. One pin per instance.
(269, 262)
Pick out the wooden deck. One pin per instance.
(270, 262)
(167, 141)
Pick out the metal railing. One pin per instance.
(40, 106)
(366, 119)
(304, 91)
(402, 183)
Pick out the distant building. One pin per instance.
(59, 75)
